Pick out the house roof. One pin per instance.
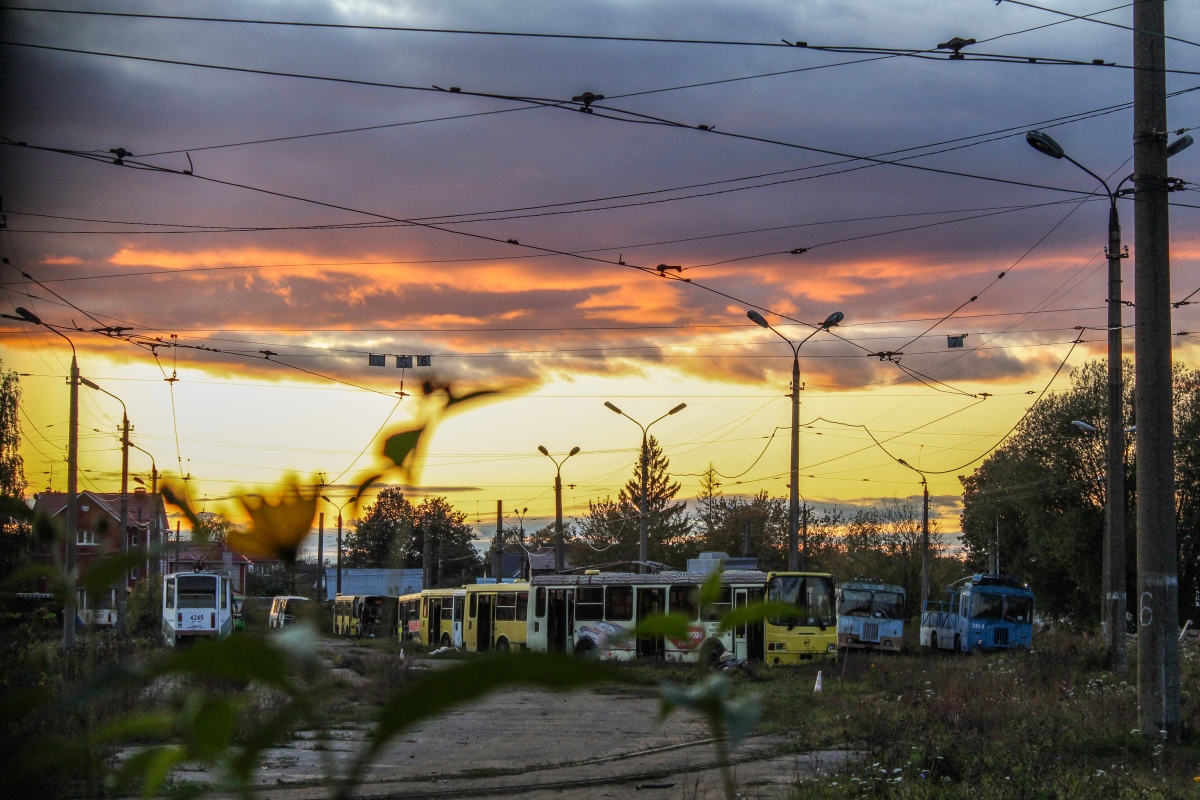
(141, 506)
(209, 552)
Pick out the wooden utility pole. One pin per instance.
(1157, 551)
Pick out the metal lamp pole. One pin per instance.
(121, 627)
(559, 561)
(155, 533)
(339, 541)
(1113, 592)
(69, 612)
(643, 535)
(794, 502)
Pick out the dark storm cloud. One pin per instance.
(535, 157)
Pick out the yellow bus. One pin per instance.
(497, 616)
(408, 617)
(442, 617)
(813, 631)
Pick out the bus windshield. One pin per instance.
(985, 605)
(811, 595)
(1018, 608)
(855, 603)
(197, 591)
(889, 605)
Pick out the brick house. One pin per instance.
(97, 526)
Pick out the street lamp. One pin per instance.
(124, 500)
(643, 536)
(1113, 578)
(155, 533)
(794, 504)
(559, 562)
(69, 613)
(339, 540)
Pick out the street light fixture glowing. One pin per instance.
(1044, 144)
(758, 318)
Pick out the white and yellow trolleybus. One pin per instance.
(592, 615)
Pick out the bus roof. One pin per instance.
(661, 578)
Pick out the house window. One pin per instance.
(133, 574)
(85, 537)
(133, 540)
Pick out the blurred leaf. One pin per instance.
(136, 725)
(672, 625)
(711, 698)
(757, 612)
(276, 528)
(740, 718)
(172, 496)
(366, 484)
(212, 728)
(243, 657)
(710, 590)
(451, 400)
(454, 686)
(107, 570)
(150, 766)
(399, 447)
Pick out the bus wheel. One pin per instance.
(586, 650)
(446, 642)
(502, 645)
(711, 652)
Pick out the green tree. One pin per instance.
(381, 538)
(453, 554)
(16, 536)
(612, 526)
(1043, 491)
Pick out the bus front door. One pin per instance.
(748, 637)
(483, 633)
(558, 621)
(650, 601)
(740, 600)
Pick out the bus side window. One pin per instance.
(169, 594)
(539, 607)
(225, 595)
(722, 606)
(472, 610)
(506, 606)
(685, 600)
(522, 606)
(458, 609)
(424, 606)
(619, 603)
(589, 603)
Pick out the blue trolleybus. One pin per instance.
(984, 612)
(870, 615)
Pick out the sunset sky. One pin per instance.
(396, 240)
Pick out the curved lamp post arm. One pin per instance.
(92, 385)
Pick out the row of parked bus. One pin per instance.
(596, 614)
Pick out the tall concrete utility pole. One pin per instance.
(124, 584)
(1157, 551)
(1112, 618)
(426, 558)
(559, 557)
(72, 505)
(924, 542)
